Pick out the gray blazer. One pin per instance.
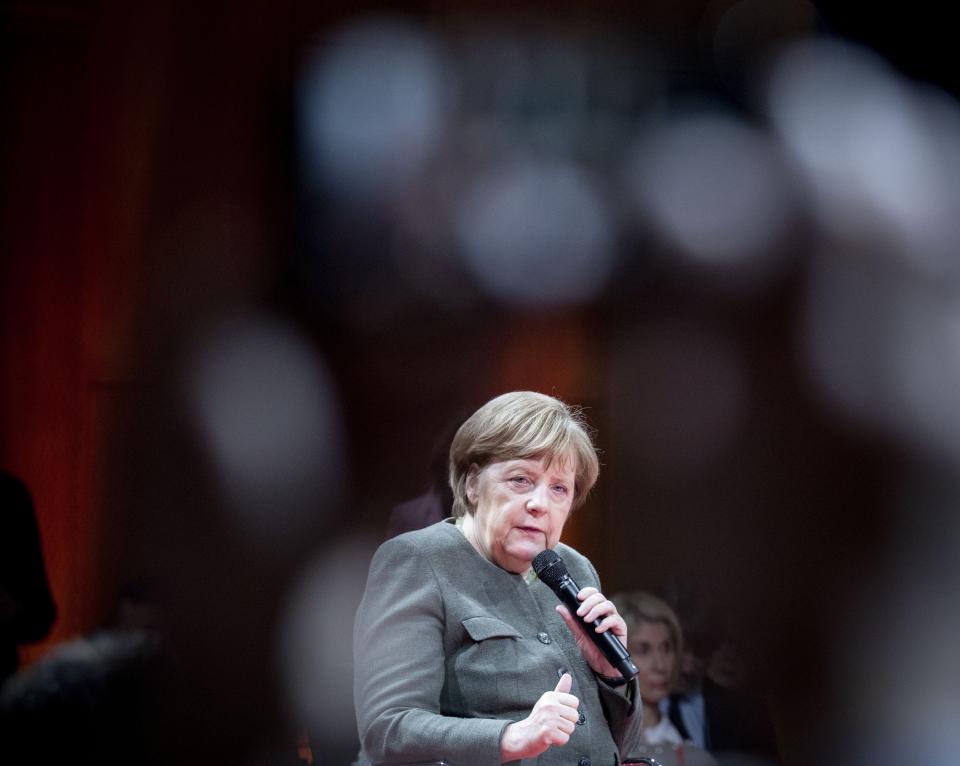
(449, 649)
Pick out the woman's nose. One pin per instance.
(538, 500)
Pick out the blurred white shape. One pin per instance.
(896, 673)
(713, 186)
(920, 189)
(925, 367)
(371, 106)
(881, 156)
(819, 94)
(266, 413)
(884, 345)
(316, 644)
(535, 232)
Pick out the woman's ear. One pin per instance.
(473, 484)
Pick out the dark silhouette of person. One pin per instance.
(84, 702)
(437, 502)
(27, 609)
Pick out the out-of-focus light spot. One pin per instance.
(912, 172)
(265, 409)
(896, 671)
(819, 94)
(535, 232)
(316, 649)
(825, 99)
(371, 106)
(712, 186)
(884, 345)
(882, 157)
(925, 370)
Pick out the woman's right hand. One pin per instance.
(551, 722)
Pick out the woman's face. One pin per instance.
(653, 652)
(520, 508)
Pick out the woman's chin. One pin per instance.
(527, 550)
(518, 558)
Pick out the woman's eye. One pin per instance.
(520, 481)
(560, 489)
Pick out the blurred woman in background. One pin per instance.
(655, 642)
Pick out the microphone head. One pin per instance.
(550, 567)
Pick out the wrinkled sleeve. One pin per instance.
(399, 669)
(621, 704)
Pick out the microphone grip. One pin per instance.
(615, 652)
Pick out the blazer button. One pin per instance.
(581, 720)
(584, 761)
(543, 638)
(561, 671)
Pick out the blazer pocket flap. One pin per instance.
(482, 628)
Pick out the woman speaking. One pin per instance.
(462, 654)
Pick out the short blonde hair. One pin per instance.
(518, 426)
(638, 606)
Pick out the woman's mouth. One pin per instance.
(532, 531)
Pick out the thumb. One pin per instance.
(564, 684)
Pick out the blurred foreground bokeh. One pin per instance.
(256, 258)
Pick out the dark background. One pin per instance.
(151, 183)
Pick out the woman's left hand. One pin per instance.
(595, 606)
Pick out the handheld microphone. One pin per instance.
(553, 572)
